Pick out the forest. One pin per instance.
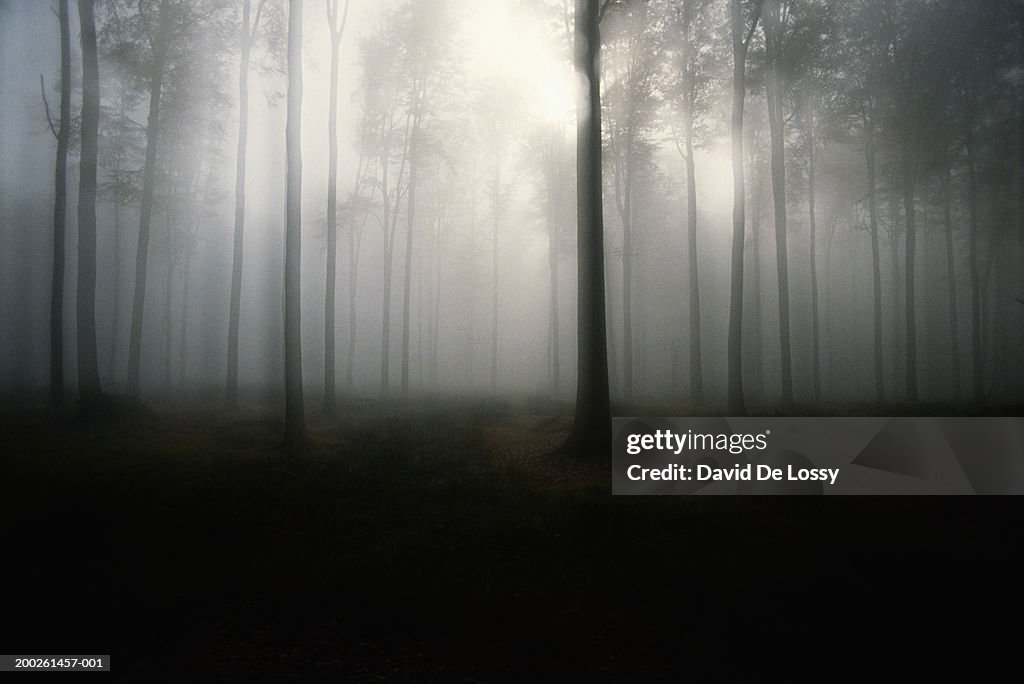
(811, 204)
(432, 247)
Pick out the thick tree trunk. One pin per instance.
(295, 439)
(954, 319)
(88, 363)
(235, 306)
(590, 436)
(60, 204)
(156, 76)
(876, 262)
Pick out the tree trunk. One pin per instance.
(88, 363)
(183, 332)
(60, 204)
(494, 291)
(696, 362)
(156, 76)
(977, 365)
(911, 319)
(778, 170)
(590, 436)
(353, 282)
(876, 262)
(627, 276)
(332, 224)
(554, 181)
(168, 305)
(954, 320)
(739, 92)
(813, 228)
(235, 307)
(295, 439)
(115, 323)
(410, 225)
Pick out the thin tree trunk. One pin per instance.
(115, 325)
(410, 226)
(813, 227)
(911, 319)
(295, 439)
(553, 247)
(353, 282)
(776, 125)
(977, 363)
(591, 431)
(88, 363)
(876, 265)
(183, 335)
(494, 266)
(737, 406)
(627, 276)
(156, 76)
(954, 320)
(330, 396)
(696, 361)
(756, 370)
(235, 306)
(168, 304)
(60, 203)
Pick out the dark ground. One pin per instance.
(438, 544)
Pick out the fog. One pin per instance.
(465, 112)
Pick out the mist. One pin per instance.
(453, 223)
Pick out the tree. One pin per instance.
(693, 18)
(247, 33)
(336, 32)
(295, 438)
(634, 53)
(88, 364)
(158, 46)
(775, 14)
(590, 435)
(741, 37)
(60, 202)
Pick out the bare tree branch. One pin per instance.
(46, 105)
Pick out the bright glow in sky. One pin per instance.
(513, 44)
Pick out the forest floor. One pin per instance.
(438, 542)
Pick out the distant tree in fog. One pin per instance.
(336, 30)
(741, 37)
(295, 439)
(633, 53)
(62, 132)
(248, 29)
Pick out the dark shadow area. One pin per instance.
(434, 543)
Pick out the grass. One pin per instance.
(437, 543)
